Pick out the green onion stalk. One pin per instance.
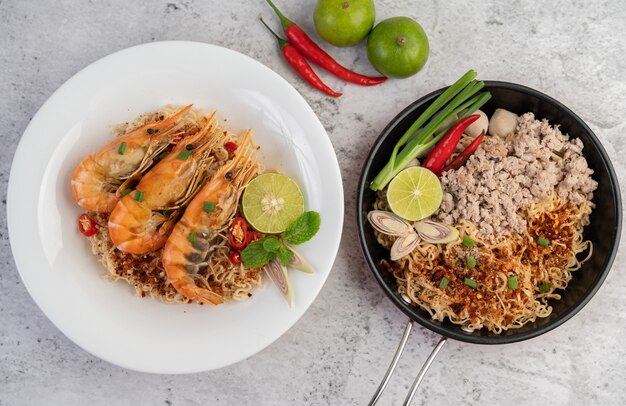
(462, 99)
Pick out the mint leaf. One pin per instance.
(303, 228)
(271, 244)
(255, 255)
(285, 255)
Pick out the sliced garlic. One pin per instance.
(388, 223)
(404, 246)
(415, 162)
(436, 233)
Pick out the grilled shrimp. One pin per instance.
(99, 179)
(137, 224)
(188, 249)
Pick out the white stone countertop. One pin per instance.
(337, 353)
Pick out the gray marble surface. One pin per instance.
(336, 354)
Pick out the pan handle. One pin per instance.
(422, 373)
(394, 363)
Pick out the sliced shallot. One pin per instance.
(436, 233)
(298, 262)
(404, 246)
(278, 274)
(388, 223)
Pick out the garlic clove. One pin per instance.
(478, 126)
(388, 223)
(436, 233)
(404, 246)
(502, 123)
(415, 162)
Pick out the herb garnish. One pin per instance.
(262, 251)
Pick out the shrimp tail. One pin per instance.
(187, 286)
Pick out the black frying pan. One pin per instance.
(603, 232)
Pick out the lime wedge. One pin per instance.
(415, 193)
(271, 202)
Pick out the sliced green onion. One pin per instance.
(512, 282)
(162, 155)
(191, 237)
(126, 191)
(543, 241)
(184, 154)
(139, 196)
(209, 207)
(444, 283)
(122, 148)
(414, 141)
(468, 242)
(470, 261)
(470, 282)
(544, 287)
(463, 83)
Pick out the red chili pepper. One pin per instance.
(238, 233)
(231, 146)
(445, 147)
(86, 225)
(463, 156)
(253, 236)
(301, 41)
(300, 65)
(235, 257)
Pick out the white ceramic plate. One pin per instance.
(55, 261)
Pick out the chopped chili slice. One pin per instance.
(231, 146)
(253, 236)
(86, 225)
(238, 233)
(235, 257)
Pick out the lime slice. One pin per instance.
(271, 202)
(415, 193)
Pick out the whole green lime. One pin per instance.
(344, 23)
(398, 47)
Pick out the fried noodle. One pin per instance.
(492, 304)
